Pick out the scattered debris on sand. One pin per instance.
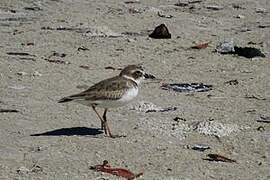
(19, 54)
(232, 82)
(214, 7)
(57, 61)
(147, 107)
(84, 67)
(215, 128)
(256, 97)
(57, 54)
(132, 2)
(8, 111)
(83, 48)
(99, 31)
(217, 157)
(163, 15)
(264, 119)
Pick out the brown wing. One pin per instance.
(112, 89)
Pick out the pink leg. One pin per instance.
(103, 123)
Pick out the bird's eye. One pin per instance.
(138, 73)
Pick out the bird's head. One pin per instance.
(136, 73)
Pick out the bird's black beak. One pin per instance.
(149, 76)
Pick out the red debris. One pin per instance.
(201, 46)
(105, 167)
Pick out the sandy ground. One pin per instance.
(116, 34)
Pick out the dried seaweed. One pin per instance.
(264, 119)
(8, 111)
(105, 167)
(187, 87)
(217, 157)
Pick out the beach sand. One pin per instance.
(70, 42)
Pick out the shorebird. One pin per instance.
(111, 93)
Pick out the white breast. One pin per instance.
(129, 95)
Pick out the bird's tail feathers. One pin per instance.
(65, 99)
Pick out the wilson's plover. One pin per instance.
(111, 93)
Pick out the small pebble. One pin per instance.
(200, 147)
(163, 15)
(17, 87)
(260, 10)
(131, 40)
(21, 73)
(83, 48)
(181, 4)
(178, 119)
(264, 119)
(214, 7)
(194, 1)
(226, 46)
(132, 2)
(135, 11)
(36, 73)
(22, 170)
(261, 128)
(237, 6)
(239, 16)
(232, 82)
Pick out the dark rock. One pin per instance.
(33, 8)
(161, 32)
(248, 52)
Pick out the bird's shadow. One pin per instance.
(73, 131)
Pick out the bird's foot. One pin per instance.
(115, 136)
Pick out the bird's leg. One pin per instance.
(103, 125)
(106, 123)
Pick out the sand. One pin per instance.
(114, 33)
